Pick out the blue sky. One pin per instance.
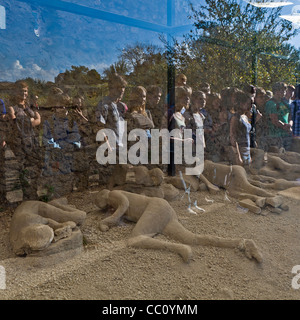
(40, 41)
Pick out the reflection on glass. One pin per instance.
(294, 17)
(269, 3)
(2, 18)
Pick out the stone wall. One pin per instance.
(10, 187)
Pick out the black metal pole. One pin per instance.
(171, 110)
(254, 61)
(171, 83)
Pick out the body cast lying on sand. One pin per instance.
(155, 216)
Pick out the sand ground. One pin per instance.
(106, 269)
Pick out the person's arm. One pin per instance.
(107, 141)
(278, 123)
(233, 139)
(182, 139)
(101, 114)
(11, 113)
(291, 114)
(209, 123)
(233, 131)
(164, 121)
(119, 201)
(80, 112)
(258, 115)
(291, 122)
(238, 154)
(36, 120)
(151, 123)
(271, 110)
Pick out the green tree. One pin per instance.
(119, 67)
(142, 64)
(135, 55)
(93, 77)
(236, 43)
(81, 75)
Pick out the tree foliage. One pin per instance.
(236, 43)
(80, 75)
(119, 67)
(232, 44)
(142, 64)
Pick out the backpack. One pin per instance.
(296, 109)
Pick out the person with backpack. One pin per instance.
(295, 119)
(295, 113)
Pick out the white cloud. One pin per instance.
(98, 66)
(36, 68)
(17, 65)
(17, 71)
(2, 18)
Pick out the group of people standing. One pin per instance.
(228, 124)
(42, 145)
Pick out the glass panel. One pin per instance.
(92, 89)
(2, 18)
(72, 48)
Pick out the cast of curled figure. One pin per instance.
(36, 225)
